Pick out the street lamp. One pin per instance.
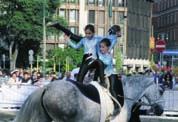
(44, 37)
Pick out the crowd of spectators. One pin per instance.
(21, 76)
(165, 78)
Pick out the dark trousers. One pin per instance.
(116, 88)
(91, 64)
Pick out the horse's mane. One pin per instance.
(137, 80)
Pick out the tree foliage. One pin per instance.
(119, 61)
(60, 55)
(21, 21)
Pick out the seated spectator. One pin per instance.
(34, 77)
(52, 77)
(168, 80)
(40, 80)
(13, 78)
(74, 72)
(67, 76)
(26, 78)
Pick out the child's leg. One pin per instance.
(116, 88)
(85, 56)
(96, 64)
(99, 71)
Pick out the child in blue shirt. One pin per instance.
(89, 42)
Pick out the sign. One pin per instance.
(30, 52)
(160, 45)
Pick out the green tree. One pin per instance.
(21, 21)
(61, 55)
(119, 61)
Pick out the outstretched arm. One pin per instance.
(72, 44)
(73, 36)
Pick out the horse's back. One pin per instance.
(67, 103)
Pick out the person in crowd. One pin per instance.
(168, 80)
(14, 80)
(26, 78)
(52, 77)
(36, 76)
(39, 79)
(74, 73)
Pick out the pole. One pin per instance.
(125, 31)
(172, 63)
(31, 67)
(161, 60)
(44, 38)
(150, 53)
(110, 12)
(37, 63)
(54, 65)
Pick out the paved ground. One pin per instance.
(158, 119)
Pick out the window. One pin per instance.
(101, 17)
(91, 1)
(73, 16)
(91, 16)
(63, 1)
(73, 1)
(74, 30)
(114, 2)
(158, 21)
(101, 2)
(62, 13)
(120, 17)
(120, 3)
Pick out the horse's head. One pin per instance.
(154, 94)
(138, 86)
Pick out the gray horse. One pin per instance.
(63, 101)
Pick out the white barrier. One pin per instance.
(15, 95)
(171, 100)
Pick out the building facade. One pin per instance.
(138, 34)
(165, 21)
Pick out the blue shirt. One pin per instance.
(90, 45)
(107, 59)
(113, 39)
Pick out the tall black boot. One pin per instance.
(116, 89)
(58, 26)
(113, 93)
